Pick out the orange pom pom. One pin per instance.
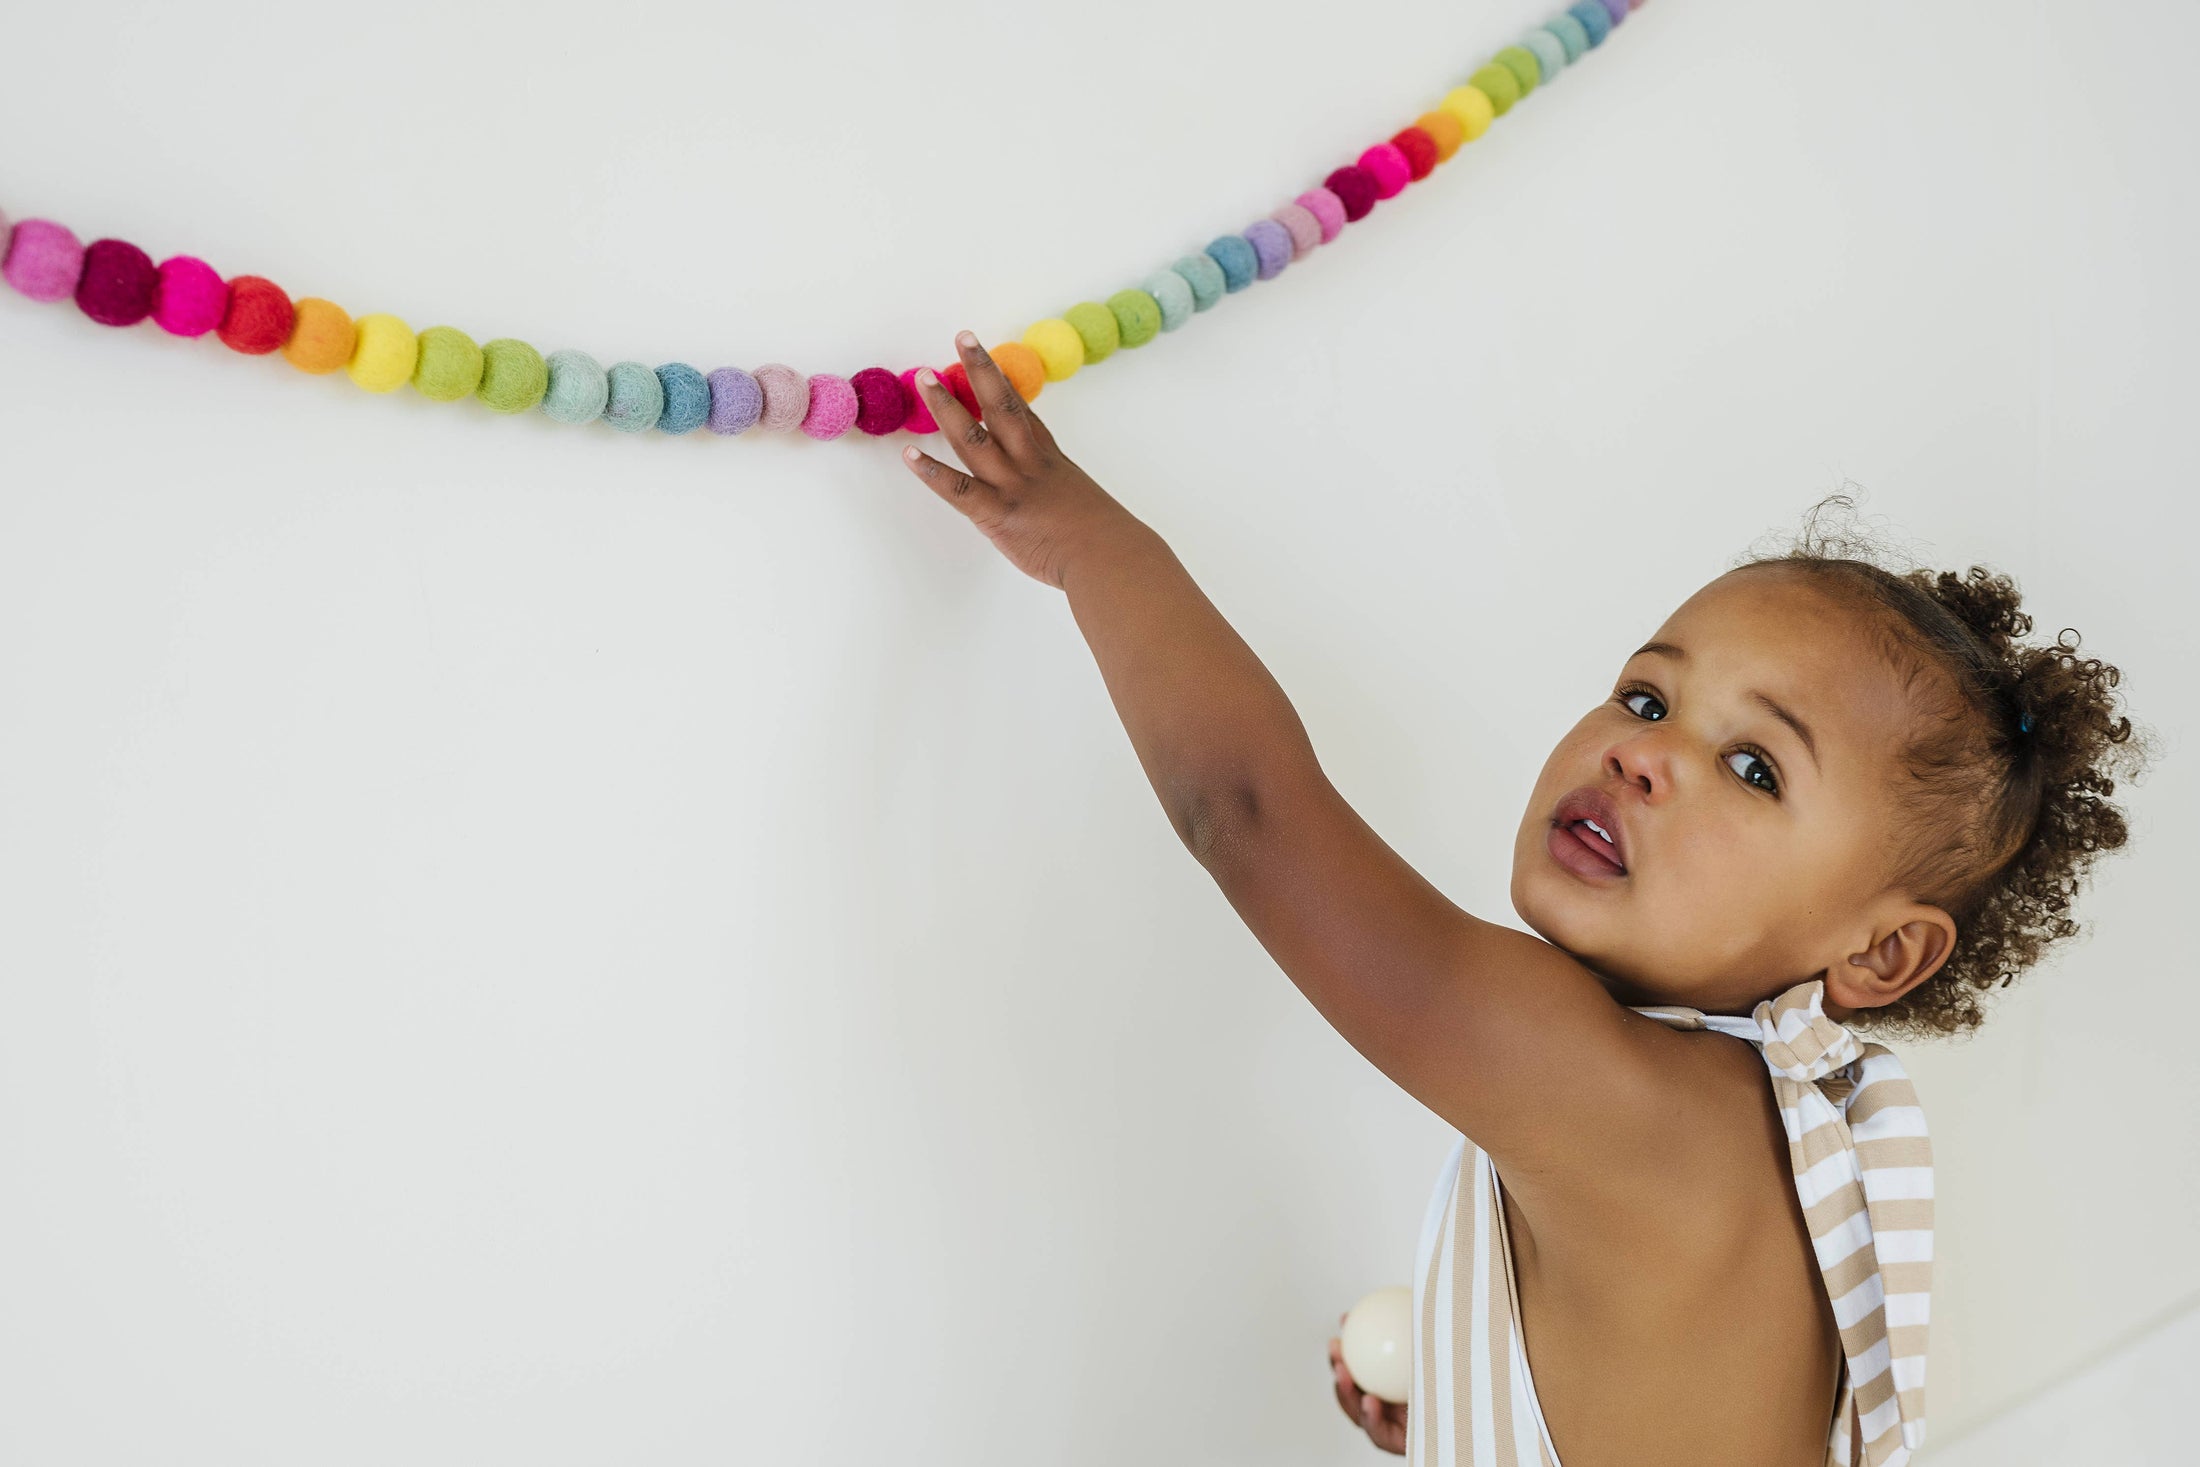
(321, 338)
(1022, 366)
(1448, 133)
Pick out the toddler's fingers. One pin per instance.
(1006, 412)
(973, 442)
(977, 499)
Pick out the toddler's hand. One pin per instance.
(1384, 1422)
(1037, 507)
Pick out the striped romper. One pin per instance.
(1864, 1174)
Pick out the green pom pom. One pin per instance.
(1521, 62)
(450, 364)
(1137, 316)
(1097, 328)
(1498, 84)
(513, 375)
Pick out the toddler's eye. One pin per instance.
(1770, 783)
(1627, 699)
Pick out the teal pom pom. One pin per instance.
(687, 398)
(1173, 293)
(637, 398)
(1205, 278)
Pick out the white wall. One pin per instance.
(524, 944)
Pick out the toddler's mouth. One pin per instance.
(1586, 824)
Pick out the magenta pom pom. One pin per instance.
(920, 419)
(833, 407)
(1354, 189)
(1388, 167)
(882, 403)
(117, 283)
(1326, 207)
(44, 260)
(190, 297)
(1305, 230)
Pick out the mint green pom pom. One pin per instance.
(637, 397)
(578, 387)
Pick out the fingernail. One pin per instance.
(924, 375)
(966, 339)
(910, 453)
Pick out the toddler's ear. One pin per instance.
(1918, 939)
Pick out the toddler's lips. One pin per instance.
(1583, 852)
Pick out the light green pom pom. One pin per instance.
(1097, 328)
(513, 375)
(450, 364)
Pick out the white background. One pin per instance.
(525, 944)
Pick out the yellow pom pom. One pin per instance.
(1059, 347)
(383, 358)
(1472, 106)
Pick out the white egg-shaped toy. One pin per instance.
(1377, 1343)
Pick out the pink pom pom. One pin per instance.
(1388, 167)
(1325, 207)
(45, 260)
(1299, 221)
(191, 297)
(833, 407)
(920, 418)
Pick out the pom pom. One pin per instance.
(636, 399)
(920, 417)
(578, 389)
(1499, 85)
(1098, 332)
(449, 365)
(1617, 9)
(736, 402)
(1173, 293)
(1521, 62)
(322, 338)
(1240, 262)
(1059, 347)
(786, 396)
(383, 354)
(1594, 18)
(117, 283)
(1022, 367)
(1138, 315)
(191, 298)
(1473, 107)
(259, 317)
(882, 403)
(1354, 188)
(833, 407)
(957, 378)
(1443, 130)
(1272, 248)
(1327, 208)
(687, 398)
(1205, 278)
(1550, 56)
(1388, 167)
(1299, 222)
(44, 260)
(1419, 151)
(514, 376)
(1570, 35)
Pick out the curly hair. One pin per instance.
(2004, 795)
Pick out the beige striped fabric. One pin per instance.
(1864, 1175)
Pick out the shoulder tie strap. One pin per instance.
(1864, 1175)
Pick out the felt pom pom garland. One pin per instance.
(116, 283)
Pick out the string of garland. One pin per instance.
(117, 284)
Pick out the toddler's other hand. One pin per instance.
(1384, 1422)
(1037, 507)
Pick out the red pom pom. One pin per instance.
(259, 317)
(882, 403)
(1420, 151)
(958, 382)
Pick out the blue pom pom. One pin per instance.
(1240, 262)
(687, 398)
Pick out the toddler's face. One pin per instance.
(1745, 861)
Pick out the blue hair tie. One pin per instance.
(2024, 724)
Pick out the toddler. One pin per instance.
(1689, 1215)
